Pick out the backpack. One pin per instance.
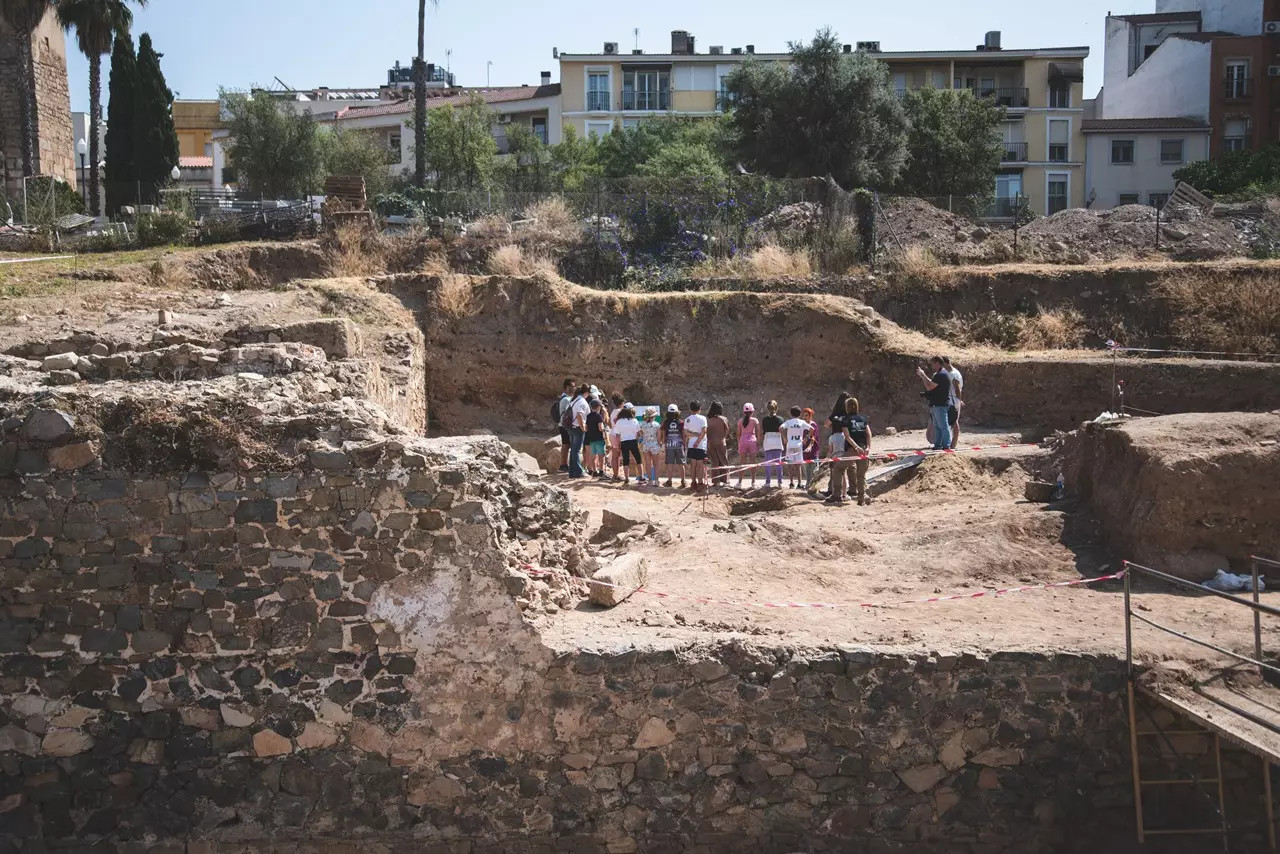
(566, 420)
(555, 411)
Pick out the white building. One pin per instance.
(1152, 115)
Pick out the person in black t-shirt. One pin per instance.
(849, 473)
(595, 439)
(938, 394)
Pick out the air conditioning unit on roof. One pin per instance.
(869, 47)
(610, 47)
(1271, 28)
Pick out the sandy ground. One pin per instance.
(960, 525)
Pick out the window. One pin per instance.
(1170, 151)
(1235, 135)
(599, 129)
(939, 79)
(900, 84)
(1060, 97)
(1008, 196)
(1238, 82)
(1158, 200)
(1127, 199)
(646, 90)
(1148, 50)
(598, 90)
(987, 86)
(1059, 140)
(539, 126)
(1058, 191)
(1122, 151)
(395, 152)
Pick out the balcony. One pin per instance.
(1014, 152)
(725, 100)
(1006, 97)
(658, 101)
(1006, 207)
(1238, 88)
(598, 102)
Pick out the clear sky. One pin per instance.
(237, 44)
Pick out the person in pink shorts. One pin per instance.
(748, 441)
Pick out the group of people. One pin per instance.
(612, 438)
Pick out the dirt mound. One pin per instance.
(949, 237)
(960, 475)
(258, 266)
(1188, 494)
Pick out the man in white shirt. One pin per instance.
(794, 431)
(955, 401)
(695, 432)
(579, 409)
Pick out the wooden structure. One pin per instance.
(346, 201)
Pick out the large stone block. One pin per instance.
(614, 583)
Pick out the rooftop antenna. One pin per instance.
(637, 34)
(283, 85)
(448, 60)
(487, 69)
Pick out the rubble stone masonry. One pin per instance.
(55, 151)
(335, 652)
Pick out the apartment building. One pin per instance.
(1042, 90)
(1190, 81)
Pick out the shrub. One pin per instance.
(489, 226)
(456, 296)
(165, 227)
(554, 216)
(355, 250)
(1056, 329)
(598, 259)
(44, 207)
(511, 260)
(1233, 313)
(220, 231)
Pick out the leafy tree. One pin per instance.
(527, 166)
(1242, 173)
(121, 175)
(23, 16)
(97, 24)
(155, 142)
(828, 113)
(626, 152)
(357, 152)
(575, 159)
(682, 160)
(275, 152)
(953, 147)
(459, 145)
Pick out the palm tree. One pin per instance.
(97, 23)
(420, 97)
(23, 16)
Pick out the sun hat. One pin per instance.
(595, 391)
(748, 407)
(673, 408)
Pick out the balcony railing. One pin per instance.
(1005, 97)
(659, 100)
(1237, 88)
(1006, 207)
(598, 101)
(1014, 152)
(725, 100)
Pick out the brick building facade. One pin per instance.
(1244, 92)
(55, 151)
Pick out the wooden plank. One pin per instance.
(1220, 710)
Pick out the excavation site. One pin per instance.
(290, 565)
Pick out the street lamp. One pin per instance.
(175, 173)
(82, 148)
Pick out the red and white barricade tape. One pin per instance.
(537, 573)
(888, 456)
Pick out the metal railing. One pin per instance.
(1258, 610)
(659, 99)
(725, 100)
(1014, 152)
(1005, 207)
(1005, 96)
(1236, 88)
(598, 101)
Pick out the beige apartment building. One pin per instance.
(1042, 90)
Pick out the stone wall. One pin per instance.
(55, 151)
(338, 649)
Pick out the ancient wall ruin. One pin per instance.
(55, 149)
(336, 639)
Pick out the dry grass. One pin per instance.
(511, 260)
(774, 262)
(1236, 311)
(456, 297)
(1057, 329)
(490, 226)
(914, 261)
(356, 250)
(435, 264)
(553, 217)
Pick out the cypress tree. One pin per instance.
(121, 180)
(155, 141)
